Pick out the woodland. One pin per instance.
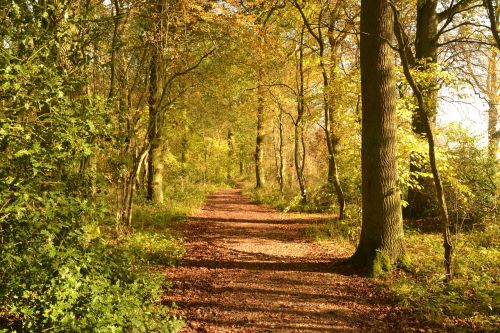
(119, 118)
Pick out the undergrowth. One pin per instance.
(471, 302)
(82, 277)
(319, 200)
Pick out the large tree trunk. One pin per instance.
(381, 242)
(420, 200)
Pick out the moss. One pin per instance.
(381, 263)
(404, 262)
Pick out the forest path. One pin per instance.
(252, 269)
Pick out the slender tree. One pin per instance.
(425, 116)
(425, 60)
(329, 100)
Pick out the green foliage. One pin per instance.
(183, 198)
(345, 231)
(154, 248)
(266, 196)
(472, 180)
(471, 299)
(381, 264)
(76, 288)
(58, 272)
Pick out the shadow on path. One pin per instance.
(251, 269)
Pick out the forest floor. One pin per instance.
(252, 269)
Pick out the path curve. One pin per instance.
(251, 269)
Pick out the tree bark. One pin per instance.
(332, 138)
(259, 142)
(381, 242)
(493, 100)
(493, 16)
(230, 154)
(299, 143)
(155, 130)
(328, 100)
(426, 45)
(114, 47)
(426, 119)
(280, 160)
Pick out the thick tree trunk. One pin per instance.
(155, 172)
(259, 142)
(381, 242)
(420, 201)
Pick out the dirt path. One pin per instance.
(251, 269)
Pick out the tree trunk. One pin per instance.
(281, 170)
(493, 100)
(155, 156)
(381, 242)
(184, 148)
(299, 159)
(299, 143)
(259, 142)
(230, 154)
(426, 117)
(420, 200)
(114, 46)
(328, 100)
(278, 146)
(332, 138)
(493, 16)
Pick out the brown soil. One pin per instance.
(252, 269)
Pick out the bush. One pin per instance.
(470, 301)
(154, 248)
(71, 280)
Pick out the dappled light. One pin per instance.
(249, 166)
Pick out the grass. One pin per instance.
(319, 200)
(471, 302)
(154, 238)
(180, 200)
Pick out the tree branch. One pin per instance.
(184, 72)
(494, 17)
